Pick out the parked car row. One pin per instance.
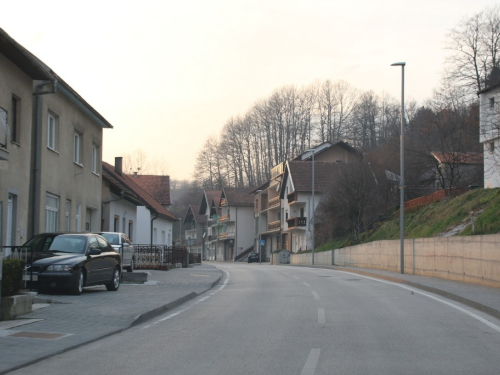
(72, 261)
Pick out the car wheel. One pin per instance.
(115, 281)
(78, 284)
(131, 267)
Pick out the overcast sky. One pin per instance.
(168, 74)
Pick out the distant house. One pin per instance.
(281, 222)
(458, 169)
(298, 207)
(234, 227)
(489, 133)
(153, 223)
(50, 150)
(195, 229)
(209, 208)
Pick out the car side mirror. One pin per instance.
(94, 252)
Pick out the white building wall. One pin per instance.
(144, 228)
(244, 229)
(490, 134)
(124, 210)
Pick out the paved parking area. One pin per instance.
(65, 321)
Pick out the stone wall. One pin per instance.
(472, 259)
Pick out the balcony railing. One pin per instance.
(292, 197)
(223, 218)
(274, 202)
(223, 202)
(296, 222)
(274, 225)
(225, 236)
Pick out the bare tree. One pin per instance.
(355, 199)
(473, 46)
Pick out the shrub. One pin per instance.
(12, 278)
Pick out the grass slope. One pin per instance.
(476, 212)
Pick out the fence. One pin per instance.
(160, 257)
(435, 197)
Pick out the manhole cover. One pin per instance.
(38, 335)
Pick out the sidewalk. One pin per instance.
(482, 298)
(68, 321)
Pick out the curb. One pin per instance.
(141, 318)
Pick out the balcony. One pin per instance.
(292, 197)
(295, 222)
(191, 233)
(274, 225)
(278, 170)
(226, 236)
(274, 202)
(223, 218)
(223, 202)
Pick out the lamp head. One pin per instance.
(399, 64)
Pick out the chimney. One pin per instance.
(118, 165)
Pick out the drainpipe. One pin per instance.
(37, 153)
(153, 219)
(104, 202)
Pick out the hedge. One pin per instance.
(12, 278)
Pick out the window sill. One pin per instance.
(4, 153)
(78, 164)
(16, 143)
(51, 149)
(96, 174)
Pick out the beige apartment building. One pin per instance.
(50, 150)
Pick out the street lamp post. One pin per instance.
(258, 222)
(402, 169)
(312, 208)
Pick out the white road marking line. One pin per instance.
(194, 303)
(306, 284)
(321, 316)
(312, 361)
(315, 294)
(471, 314)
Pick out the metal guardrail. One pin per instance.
(160, 257)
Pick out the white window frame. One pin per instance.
(78, 216)
(51, 213)
(68, 216)
(77, 147)
(95, 158)
(51, 132)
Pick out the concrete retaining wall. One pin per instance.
(472, 259)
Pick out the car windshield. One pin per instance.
(112, 238)
(69, 244)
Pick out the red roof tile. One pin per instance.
(130, 183)
(157, 186)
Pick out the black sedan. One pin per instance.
(254, 257)
(72, 261)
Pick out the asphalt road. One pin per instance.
(265, 319)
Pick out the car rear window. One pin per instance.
(112, 238)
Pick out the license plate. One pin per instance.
(27, 278)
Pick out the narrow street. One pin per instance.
(263, 319)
